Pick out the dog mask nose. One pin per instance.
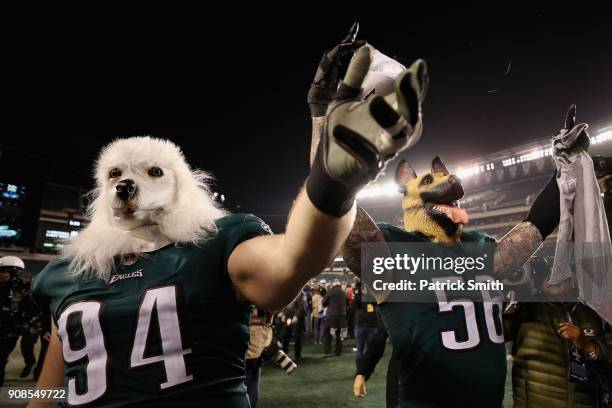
(126, 189)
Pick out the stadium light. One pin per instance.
(464, 172)
(602, 137)
(387, 189)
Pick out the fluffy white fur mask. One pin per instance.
(146, 196)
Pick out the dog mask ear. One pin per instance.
(437, 166)
(403, 174)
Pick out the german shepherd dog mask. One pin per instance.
(430, 202)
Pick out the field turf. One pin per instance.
(328, 382)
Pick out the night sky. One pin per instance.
(231, 90)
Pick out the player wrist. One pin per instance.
(544, 213)
(319, 99)
(326, 194)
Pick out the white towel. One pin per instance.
(584, 249)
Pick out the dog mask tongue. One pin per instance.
(455, 214)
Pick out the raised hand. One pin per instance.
(570, 118)
(570, 331)
(363, 136)
(331, 68)
(573, 138)
(360, 137)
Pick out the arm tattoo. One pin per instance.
(318, 125)
(364, 230)
(515, 248)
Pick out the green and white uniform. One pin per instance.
(450, 351)
(168, 329)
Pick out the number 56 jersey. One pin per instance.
(450, 349)
(167, 328)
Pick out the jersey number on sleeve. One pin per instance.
(449, 337)
(82, 338)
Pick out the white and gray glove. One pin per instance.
(360, 137)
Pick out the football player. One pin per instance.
(447, 357)
(151, 302)
(454, 345)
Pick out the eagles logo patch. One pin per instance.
(266, 228)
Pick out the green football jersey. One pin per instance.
(167, 329)
(450, 351)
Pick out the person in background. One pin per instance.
(335, 326)
(316, 318)
(45, 336)
(17, 309)
(558, 348)
(260, 337)
(603, 172)
(374, 351)
(350, 310)
(365, 320)
(307, 293)
(293, 316)
(31, 328)
(323, 289)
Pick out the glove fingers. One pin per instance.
(346, 51)
(570, 117)
(422, 78)
(388, 118)
(358, 44)
(359, 147)
(411, 89)
(358, 68)
(352, 34)
(352, 46)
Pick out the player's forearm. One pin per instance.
(270, 270)
(311, 241)
(518, 245)
(374, 351)
(515, 248)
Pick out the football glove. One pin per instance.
(331, 68)
(360, 137)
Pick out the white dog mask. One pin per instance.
(146, 196)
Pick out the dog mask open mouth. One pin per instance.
(456, 214)
(436, 193)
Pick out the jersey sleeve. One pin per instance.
(250, 227)
(50, 284)
(38, 284)
(40, 294)
(238, 228)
